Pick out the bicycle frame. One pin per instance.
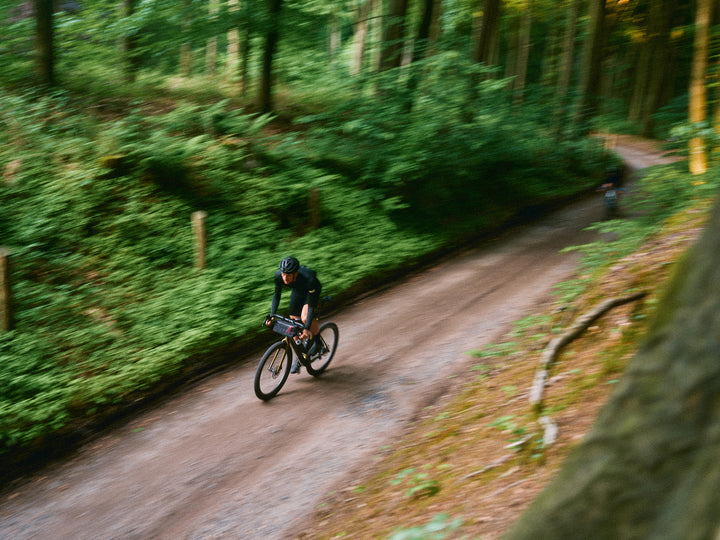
(275, 364)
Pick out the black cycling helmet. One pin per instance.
(289, 265)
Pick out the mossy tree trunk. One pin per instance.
(649, 467)
(44, 41)
(272, 36)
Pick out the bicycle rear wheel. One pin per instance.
(272, 371)
(328, 335)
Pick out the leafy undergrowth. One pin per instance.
(471, 465)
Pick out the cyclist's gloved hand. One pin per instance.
(305, 334)
(269, 319)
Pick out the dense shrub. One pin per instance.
(96, 211)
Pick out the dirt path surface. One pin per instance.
(216, 462)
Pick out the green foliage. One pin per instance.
(96, 208)
(440, 527)
(661, 192)
(417, 484)
(432, 155)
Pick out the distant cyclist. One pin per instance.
(304, 296)
(612, 187)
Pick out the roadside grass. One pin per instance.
(471, 465)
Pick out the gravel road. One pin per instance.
(215, 462)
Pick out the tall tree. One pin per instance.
(566, 63)
(361, 28)
(44, 43)
(186, 48)
(272, 35)
(212, 42)
(698, 91)
(648, 468)
(523, 52)
(653, 65)
(238, 44)
(129, 45)
(423, 35)
(591, 65)
(393, 35)
(487, 32)
(233, 41)
(420, 49)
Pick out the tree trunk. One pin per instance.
(244, 61)
(523, 52)
(360, 36)
(186, 48)
(648, 468)
(436, 23)
(420, 50)
(653, 65)
(44, 43)
(423, 36)
(591, 66)
(487, 32)
(129, 46)
(566, 63)
(661, 26)
(212, 42)
(232, 60)
(334, 37)
(393, 35)
(272, 35)
(698, 91)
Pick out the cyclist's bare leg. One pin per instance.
(314, 329)
(314, 326)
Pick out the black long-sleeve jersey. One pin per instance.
(305, 289)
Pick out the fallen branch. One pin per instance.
(552, 351)
(494, 464)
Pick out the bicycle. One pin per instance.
(274, 367)
(611, 198)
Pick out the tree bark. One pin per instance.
(44, 43)
(393, 35)
(232, 60)
(698, 91)
(523, 52)
(653, 65)
(360, 36)
(423, 35)
(212, 42)
(648, 468)
(591, 66)
(566, 63)
(272, 36)
(186, 48)
(487, 32)
(129, 45)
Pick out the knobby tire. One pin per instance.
(272, 371)
(329, 335)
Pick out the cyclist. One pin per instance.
(612, 187)
(304, 297)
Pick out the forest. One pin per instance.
(365, 137)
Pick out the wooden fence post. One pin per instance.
(6, 307)
(314, 204)
(198, 225)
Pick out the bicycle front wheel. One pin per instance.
(328, 335)
(272, 371)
